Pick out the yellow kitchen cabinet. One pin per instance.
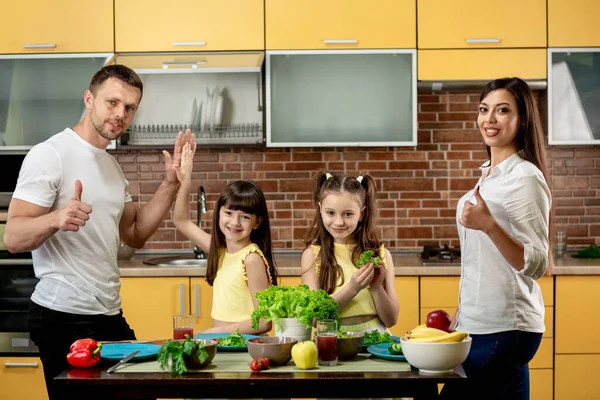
(573, 23)
(149, 304)
(22, 378)
(340, 24)
(577, 303)
(481, 64)
(186, 25)
(540, 381)
(407, 290)
(290, 281)
(439, 291)
(201, 294)
(544, 356)
(576, 376)
(461, 24)
(62, 26)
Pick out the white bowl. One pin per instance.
(436, 358)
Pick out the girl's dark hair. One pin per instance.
(529, 140)
(244, 196)
(364, 236)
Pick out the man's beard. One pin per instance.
(100, 128)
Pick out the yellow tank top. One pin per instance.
(232, 300)
(362, 303)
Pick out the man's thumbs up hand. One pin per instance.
(75, 213)
(477, 216)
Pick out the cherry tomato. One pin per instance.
(255, 365)
(264, 362)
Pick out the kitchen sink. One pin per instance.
(176, 261)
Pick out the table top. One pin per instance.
(388, 380)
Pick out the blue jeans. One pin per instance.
(497, 367)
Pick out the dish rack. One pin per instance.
(148, 135)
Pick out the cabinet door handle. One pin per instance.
(181, 299)
(39, 45)
(482, 40)
(193, 64)
(197, 294)
(20, 365)
(334, 41)
(188, 44)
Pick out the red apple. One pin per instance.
(439, 319)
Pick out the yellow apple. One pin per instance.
(305, 354)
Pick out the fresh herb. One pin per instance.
(376, 337)
(233, 340)
(592, 252)
(342, 335)
(175, 350)
(368, 257)
(277, 302)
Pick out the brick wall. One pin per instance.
(418, 186)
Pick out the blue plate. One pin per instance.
(118, 351)
(381, 351)
(223, 335)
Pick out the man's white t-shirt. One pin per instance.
(78, 271)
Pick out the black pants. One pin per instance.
(53, 332)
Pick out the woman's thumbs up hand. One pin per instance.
(477, 216)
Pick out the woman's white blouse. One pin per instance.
(493, 296)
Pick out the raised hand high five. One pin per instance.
(172, 163)
(75, 213)
(477, 216)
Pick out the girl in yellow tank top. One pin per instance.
(240, 260)
(343, 228)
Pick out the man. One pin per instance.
(71, 208)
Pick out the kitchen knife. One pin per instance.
(123, 361)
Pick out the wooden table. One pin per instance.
(97, 384)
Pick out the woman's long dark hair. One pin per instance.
(529, 140)
(244, 196)
(364, 236)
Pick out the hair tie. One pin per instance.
(359, 178)
(328, 175)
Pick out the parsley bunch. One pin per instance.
(177, 350)
(277, 302)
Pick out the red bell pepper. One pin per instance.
(84, 353)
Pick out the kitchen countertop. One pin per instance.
(288, 264)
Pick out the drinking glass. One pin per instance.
(327, 330)
(560, 243)
(182, 325)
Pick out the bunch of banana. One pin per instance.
(423, 334)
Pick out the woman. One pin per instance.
(503, 225)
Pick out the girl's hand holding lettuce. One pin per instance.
(299, 302)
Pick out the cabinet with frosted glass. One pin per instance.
(341, 98)
(573, 96)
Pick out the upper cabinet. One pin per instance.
(61, 26)
(574, 96)
(189, 25)
(573, 23)
(341, 98)
(340, 24)
(460, 24)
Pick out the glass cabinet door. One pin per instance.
(341, 98)
(574, 96)
(41, 95)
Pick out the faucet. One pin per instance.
(201, 205)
